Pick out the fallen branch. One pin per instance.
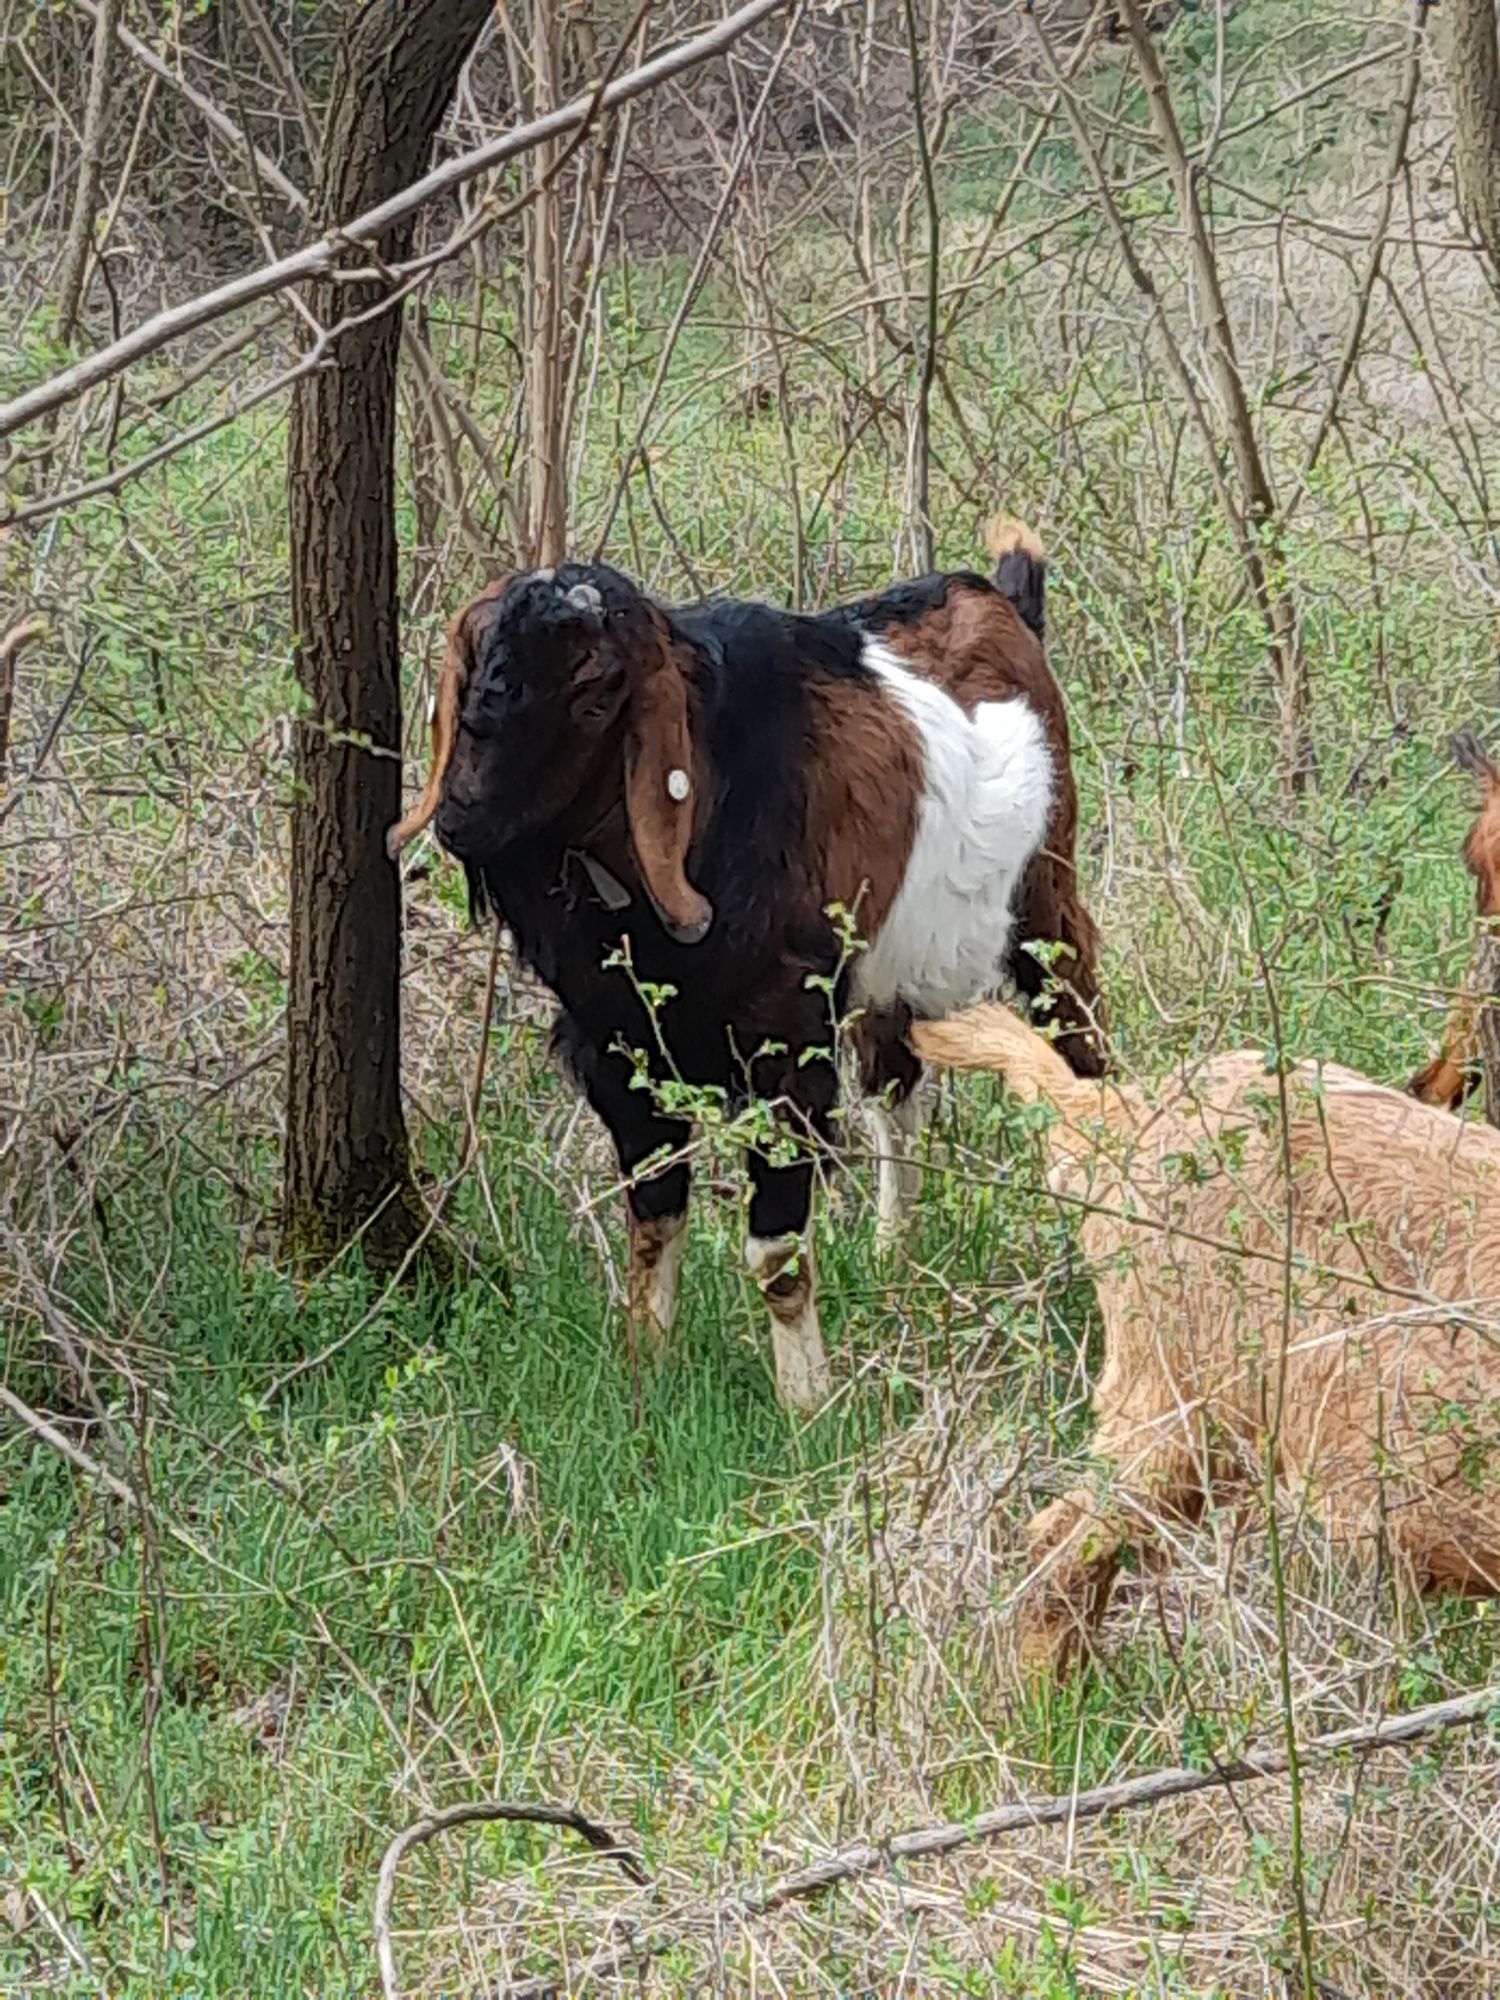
(864, 1859)
(486, 1812)
(316, 259)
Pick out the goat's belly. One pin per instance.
(986, 802)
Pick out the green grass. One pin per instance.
(650, 1591)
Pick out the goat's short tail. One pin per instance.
(1020, 569)
(992, 1037)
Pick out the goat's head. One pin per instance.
(553, 682)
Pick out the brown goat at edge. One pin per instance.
(1471, 1038)
(1389, 1403)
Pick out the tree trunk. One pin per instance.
(80, 244)
(1474, 83)
(546, 370)
(346, 1157)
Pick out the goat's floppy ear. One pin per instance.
(458, 659)
(660, 783)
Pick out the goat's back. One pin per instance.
(1382, 1296)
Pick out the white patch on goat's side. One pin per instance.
(986, 799)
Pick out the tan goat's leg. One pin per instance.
(1073, 1554)
(1074, 1546)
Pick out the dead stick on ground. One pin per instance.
(864, 1859)
(485, 1813)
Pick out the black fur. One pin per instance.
(535, 782)
(1022, 577)
(908, 603)
(743, 1018)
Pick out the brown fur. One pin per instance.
(1389, 1398)
(458, 662)
(659, 741)
(866, 777)
(1449, 1077)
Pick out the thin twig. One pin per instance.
(18, 636)
(927, 559)
(263, 165)
(695, 280)
(49, 735)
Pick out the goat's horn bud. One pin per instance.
(678, 785)
(584, 597)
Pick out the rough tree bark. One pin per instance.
(80, 244)
(346, 1161)
(1474, 83)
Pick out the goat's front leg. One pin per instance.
(1075, 1546)
(655, 1246)
(656, 1210)
(779, 1252)
(656, 1198)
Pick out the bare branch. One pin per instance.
(483, 1812)
(17, 637)
(95, 128)
(865, 1859)
(210, 113)
(316, 259)
(1474, 80)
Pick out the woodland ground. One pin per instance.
(460, 1554)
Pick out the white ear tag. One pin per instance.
(678, 786)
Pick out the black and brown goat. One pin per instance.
(684, 799)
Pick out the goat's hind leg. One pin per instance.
(891, 1077)
(779, 1252)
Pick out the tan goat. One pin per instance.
(1365, 1361)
